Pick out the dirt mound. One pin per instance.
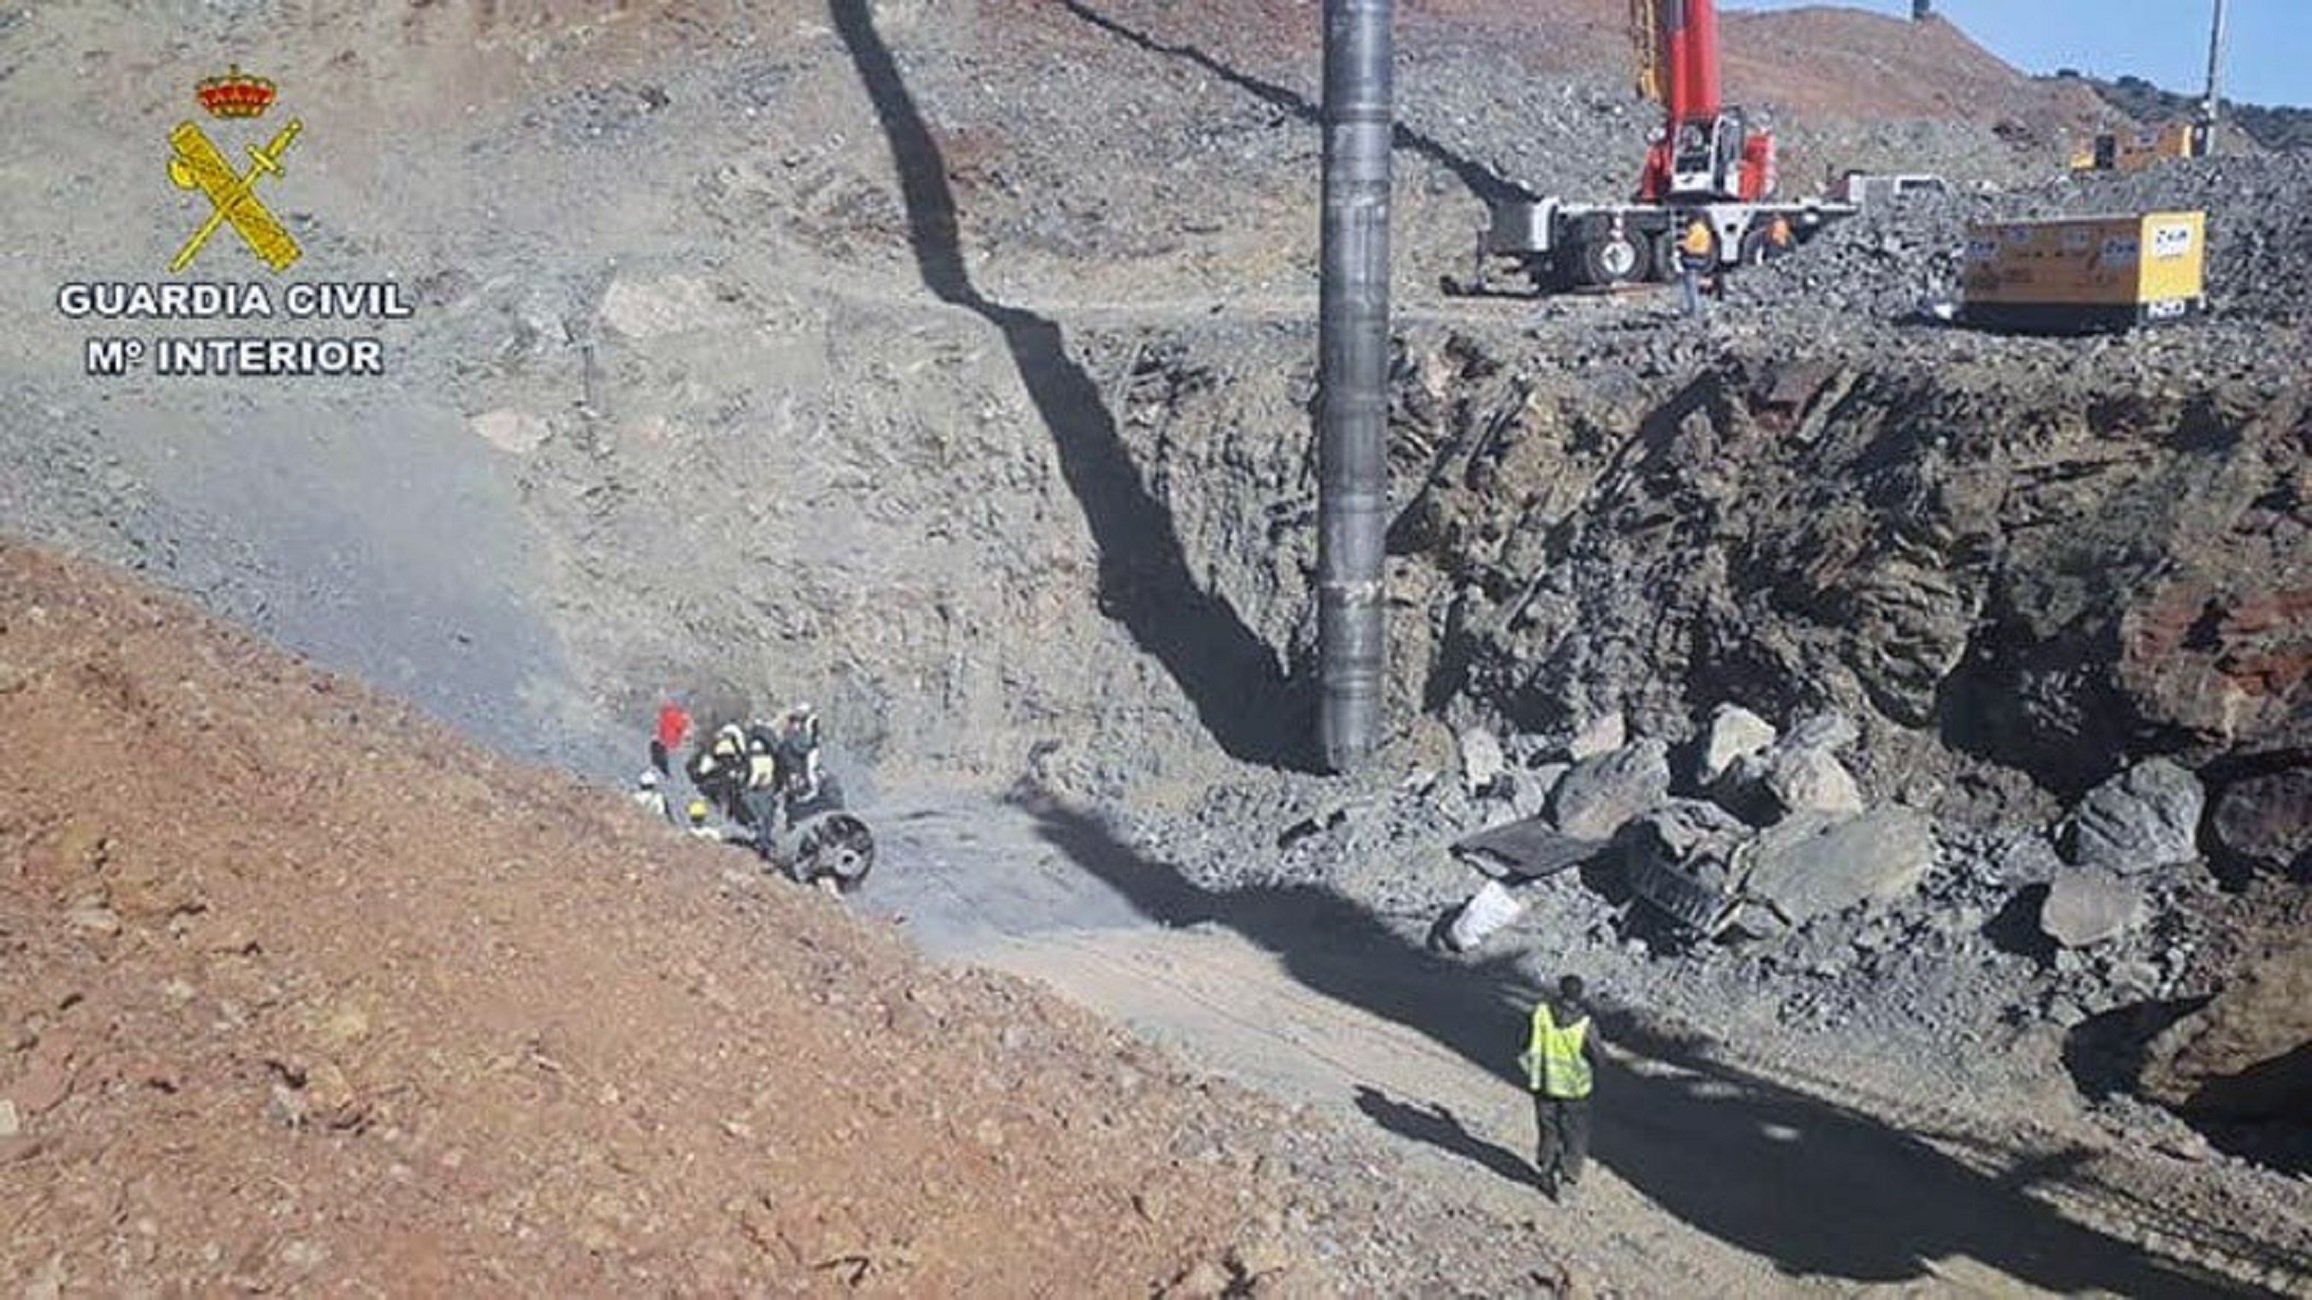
(304, 992)
(1847, 63)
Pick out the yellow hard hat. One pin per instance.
(697, 810)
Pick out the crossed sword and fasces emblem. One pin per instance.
(197, 164)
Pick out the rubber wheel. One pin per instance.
(1665, 247)
(1612, 259)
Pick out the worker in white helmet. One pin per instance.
(649, 795)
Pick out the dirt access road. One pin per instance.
(1717, 1173)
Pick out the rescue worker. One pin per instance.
(758, 797)
(1778, 237)
(649, 796)
(673, 729)
(719, 769)
(699, 828)
(797, 758)
(1697, 254)
(1560, 1056)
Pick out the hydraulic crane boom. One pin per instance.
(1706, 151)
(1689, 46)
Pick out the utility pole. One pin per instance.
(2212, 107)
(1353, 360)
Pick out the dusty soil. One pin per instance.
(365, 1008)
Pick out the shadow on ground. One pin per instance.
(1816, 1187)
(1233, 678)
(1437, 1125)
(1481, 180)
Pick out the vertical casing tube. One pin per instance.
(2213, 107)
(1353, 347)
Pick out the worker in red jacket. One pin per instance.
(673, 729)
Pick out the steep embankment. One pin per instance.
(306, 993)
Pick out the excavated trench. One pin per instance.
(2016, 584)
(2018, 589)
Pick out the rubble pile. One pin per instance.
(1654, 562)
(1891, 264)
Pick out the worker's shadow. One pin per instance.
(1438, 1126)
(1816, 1187)
(1236, 681)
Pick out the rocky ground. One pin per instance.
(827, 351)
(369, 1008)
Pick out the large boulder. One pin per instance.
(1733, 732)
(2267, 820)
(1604, 791)
(1482, 762)
(2248, 1053)
(1829, 731)
(1799, 773)
(1602, 735)
(1813, 864)
(2145, 818)
(2085, 907)
(1812, 780)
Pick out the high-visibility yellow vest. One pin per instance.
(1697, 241)
(1554, 1064)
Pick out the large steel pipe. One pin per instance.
(1353, 346)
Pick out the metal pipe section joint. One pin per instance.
(1353, 348)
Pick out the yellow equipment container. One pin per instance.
(2077, 274)
(2135, 150)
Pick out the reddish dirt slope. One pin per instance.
(302, 992)
(1829, 60)
(1848, 63)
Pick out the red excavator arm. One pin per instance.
(1706, 151)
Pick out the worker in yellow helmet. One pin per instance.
(1697, 255)
(697, 812)
(1561, 1054)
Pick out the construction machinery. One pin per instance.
(1708, 160)
(2081, 274)
(1881, 191)
(2115, 151)
(2132, 151)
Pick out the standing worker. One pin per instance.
(1560, 1056)
(673, 728)
(797, 759)
(1697, 253)
(1778, 239)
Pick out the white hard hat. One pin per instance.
(649, 779)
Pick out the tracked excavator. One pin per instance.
(1708, 160)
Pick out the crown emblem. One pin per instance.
(236, 94)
